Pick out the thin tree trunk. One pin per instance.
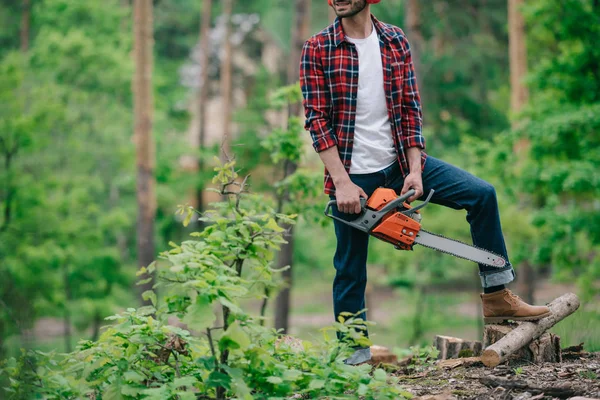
(519, 95)
(415, 35)
(518, 56)
(25, 24)
(143, 110)
(67, 312)
(226, 80)
(203, 92)
(300, 31)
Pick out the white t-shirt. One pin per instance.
(373, 148)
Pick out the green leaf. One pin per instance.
(239, 385)
(292, 375)
(316, 384)
(217, 378)
(272, 225)
(149, 294)
(186, 381)
(133, 376)
(274, 380)
(380, 375)
(113, 392)
(160, 393)
(199, 315)
(235, 338)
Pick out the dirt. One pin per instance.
(576, 376)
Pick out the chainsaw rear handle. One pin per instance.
(363, 202)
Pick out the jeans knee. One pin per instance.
(487, 194)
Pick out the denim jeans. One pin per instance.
(454, 188)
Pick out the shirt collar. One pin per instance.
(339, 36)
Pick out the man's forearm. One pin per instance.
(331, 159)
(414, 159)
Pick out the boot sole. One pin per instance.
(491, 320)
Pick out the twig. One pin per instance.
(176, 363)
(212, 347)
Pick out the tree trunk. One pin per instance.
(67, 312)
(519, 95)
(226, 80)
(25, 24)
(203, 93)
(144, 142)
(300, 31)
(526, 332)
(414, 34)
(518, 56)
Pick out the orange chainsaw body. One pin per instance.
(395, 227)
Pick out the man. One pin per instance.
(363, 112)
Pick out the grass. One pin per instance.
(582, 326)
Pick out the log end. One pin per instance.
(490, 358)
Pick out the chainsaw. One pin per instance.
(389, 217)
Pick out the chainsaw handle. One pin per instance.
(331, 203)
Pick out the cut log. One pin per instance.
(526, 332)
(546, 348)
(380, 354)
(451, 347)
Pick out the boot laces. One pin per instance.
(514, 299)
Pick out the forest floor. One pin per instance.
(576, 375)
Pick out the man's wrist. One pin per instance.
(340, 180)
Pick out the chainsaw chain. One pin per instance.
(461, 256)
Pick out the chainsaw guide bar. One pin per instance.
(388, 217)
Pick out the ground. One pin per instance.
(577, 375)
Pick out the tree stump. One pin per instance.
(546, 348)
(451, 347)
(380, 354)
(525, 332)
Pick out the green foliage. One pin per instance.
(555, 180)
(143, 356)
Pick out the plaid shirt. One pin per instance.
(329, 81)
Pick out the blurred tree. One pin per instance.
(25, 24)
(203, 94)
(145, 153)
(226, 81)
(518, 99)
(300, 29)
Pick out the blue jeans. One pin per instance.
(454, 188)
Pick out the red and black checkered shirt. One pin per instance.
(329, 81)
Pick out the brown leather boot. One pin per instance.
(505, 305)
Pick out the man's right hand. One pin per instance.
(348, 197)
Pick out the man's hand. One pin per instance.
(413, 181)
(348, 197)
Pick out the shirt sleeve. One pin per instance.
(412, 117)
(316, 98)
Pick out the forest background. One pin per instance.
(513, 97)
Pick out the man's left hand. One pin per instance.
(413, 181)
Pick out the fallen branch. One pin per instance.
(561, 390)
(522, 335)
